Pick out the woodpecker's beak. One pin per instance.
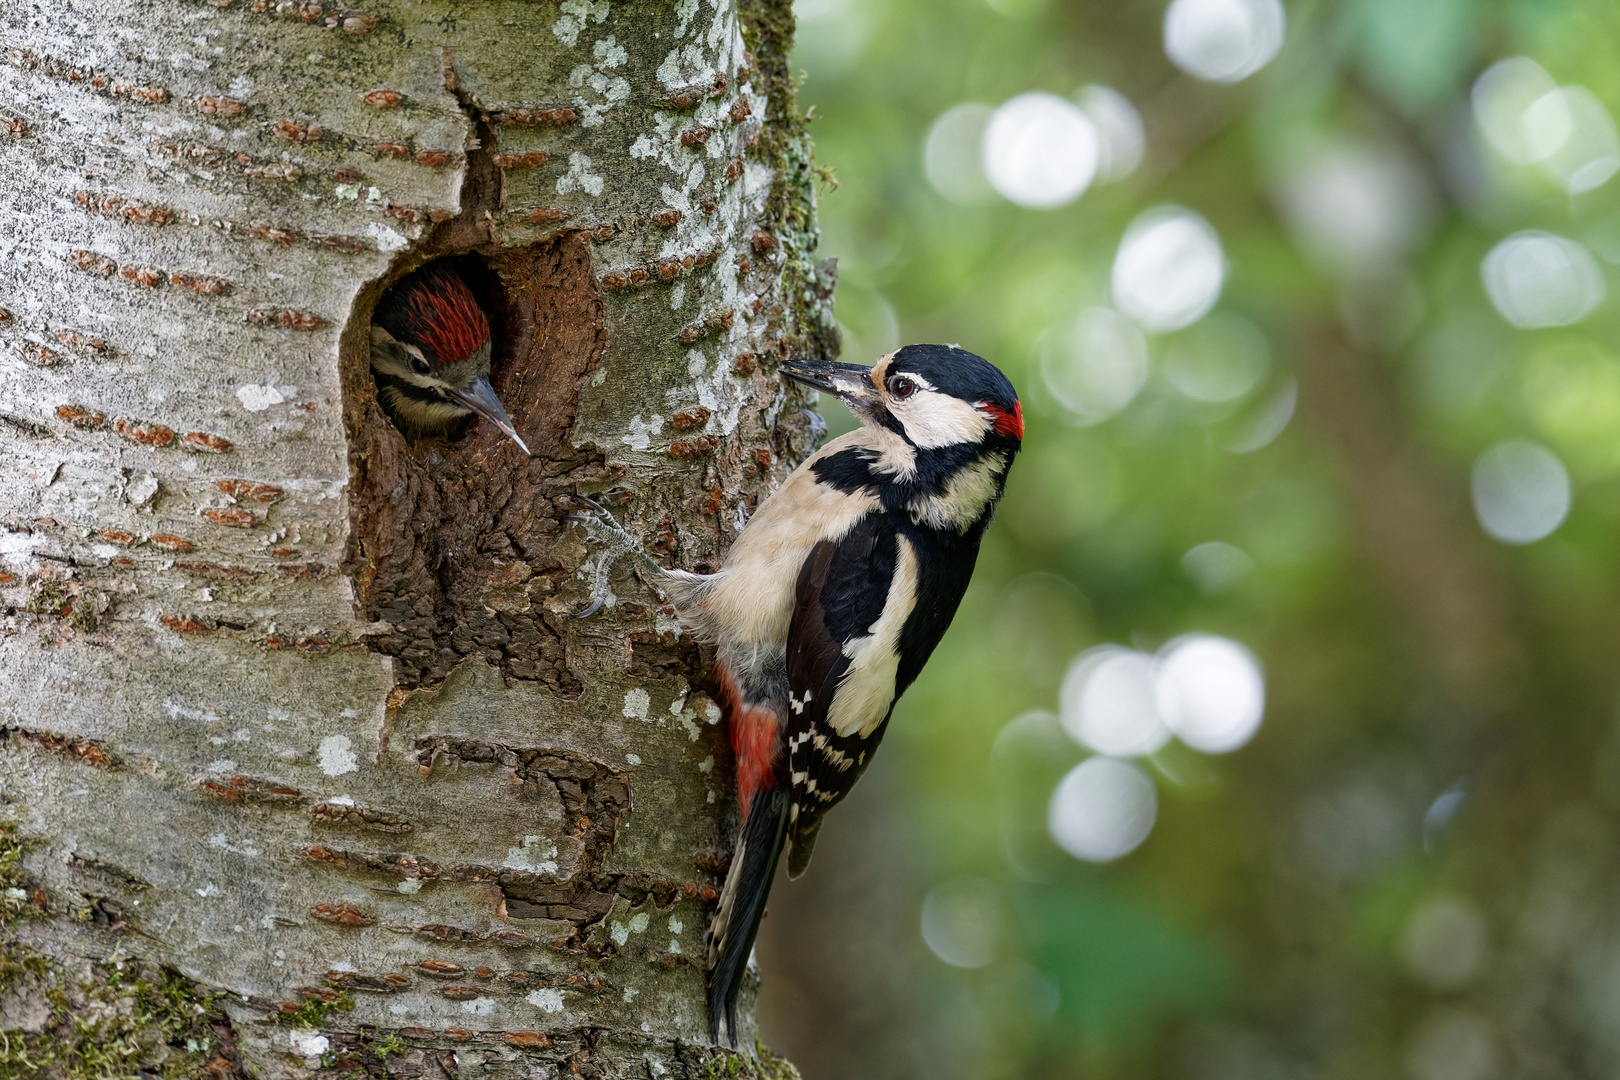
(852, 382)
(480, 397)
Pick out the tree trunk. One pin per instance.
(306, 765)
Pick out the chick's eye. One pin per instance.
(420, 366)
(901, 387)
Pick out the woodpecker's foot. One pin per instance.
(603, 524)
(618, 542)
(599, 586)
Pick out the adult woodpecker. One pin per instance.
(831, 601)
(430, 355)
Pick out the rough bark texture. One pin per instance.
(304, 764)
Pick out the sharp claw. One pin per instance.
(599, 586)
(600, 520)
(617, 541)
(601, 515)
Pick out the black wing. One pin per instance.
(841, 596)
(944, 567)
(841, 591)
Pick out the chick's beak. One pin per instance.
(852, 382)
(480, 397)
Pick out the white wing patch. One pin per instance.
(866, 689)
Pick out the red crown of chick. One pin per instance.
(443, 315)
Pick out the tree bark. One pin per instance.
(306, 764)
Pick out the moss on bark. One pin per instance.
(118, 1018)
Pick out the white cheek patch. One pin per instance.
(394, 358)
(426, 414)
(933, 420)
(416, 378)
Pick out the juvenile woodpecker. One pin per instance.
(430, 355)
(831, 601)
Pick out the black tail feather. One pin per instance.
(742, 905)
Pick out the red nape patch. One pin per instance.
(753, 740)
(1009, 425)
(444, 316)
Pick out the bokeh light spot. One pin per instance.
(1096, 367)
(1268, 421)
(962, 921)
(1119, 131)
(1223, 40)
(1443, 944)
(1169, 269)
(1216, 566)
(1040, 151)
(1538, 279)
(1035, 735)
(1356, 206)
(1108, 705)
(1221, 358)
(1211, 692)
(1102, 809)
(1353, 829)
(951, 155)
(1502, 97)
(1453, 1045)
(1546, 125)
(1521, 491)
(1529, 120)
(1590, 153)
(1438, 817)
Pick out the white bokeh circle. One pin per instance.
(1102, 809)
(1169, 269)
(1521, 491)
(1120, 139)
(1039, 151)
(1223, 40)
(951, 154)
(961, 921)
(1211, 692)
(1107, 702)
(1537, 279)
(1095, 367)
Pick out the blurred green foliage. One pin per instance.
(1269, 926)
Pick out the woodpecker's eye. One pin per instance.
(901, 388)
(420, 366)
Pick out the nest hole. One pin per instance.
(454, 537)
